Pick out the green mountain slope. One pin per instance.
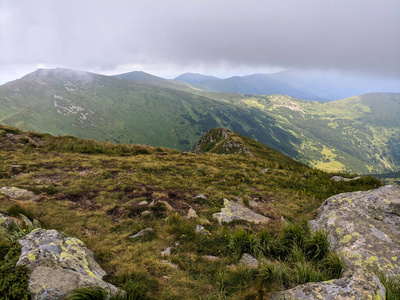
(358, 134)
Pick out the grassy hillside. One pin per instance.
(94, 191)
(358, 134)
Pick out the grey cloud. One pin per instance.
(347, 35)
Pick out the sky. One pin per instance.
(216, 37)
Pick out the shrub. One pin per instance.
(241, 241)
(276, 273)
(317, 247)
(306, 272)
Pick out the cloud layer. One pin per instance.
(345, 35)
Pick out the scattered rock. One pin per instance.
(210, 257)
(234, 211)
(166, 252)
(201, 196)
(167, 205)
(167, 262)
(340, 178)
(146, 213)
(142, 233)
(17, 193)
(364, 227)
(264, 170)
(248, 261)
(59, 265)
(191, 214)
(200, 229)
(143, 202)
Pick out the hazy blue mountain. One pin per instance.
(195, 78)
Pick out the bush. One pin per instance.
(241, 241)
(317, 247)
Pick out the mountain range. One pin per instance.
(357, 134)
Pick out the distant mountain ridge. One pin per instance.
(358, 134)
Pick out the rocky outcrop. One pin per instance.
(235, 211)
(221, 141)
(364, 227)
(59, 265)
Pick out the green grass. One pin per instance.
(96, 197)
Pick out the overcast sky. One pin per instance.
(217, 37)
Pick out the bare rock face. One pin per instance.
(364, 227)
(59, 265)
(235, 211)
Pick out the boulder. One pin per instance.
(59, 265)
(364, 227)
(235, 211)
(358, 286)
(17, 193)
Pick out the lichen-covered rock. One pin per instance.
(17, 193)
(235, 211)
(59, 265)
(364, 228)
(358, 286)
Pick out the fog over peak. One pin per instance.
(221, 38)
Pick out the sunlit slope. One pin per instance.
(360, 133)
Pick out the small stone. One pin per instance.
(235, 211)
(210, 257)
(264, 170)
(201, 196)
(200, 229)
(166, 252)
(167, 262)
(248, 261)
(146, 213)
(142, 233)
(191, 214)
(143, 202)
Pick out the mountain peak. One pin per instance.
(61, 74)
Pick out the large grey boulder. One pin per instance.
(235, 211)
(364, 228)
(59, 265)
